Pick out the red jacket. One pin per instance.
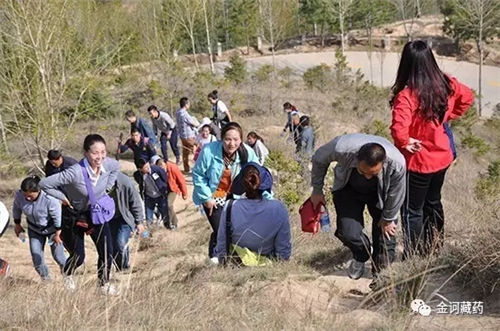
(436, 151)
(176, 179)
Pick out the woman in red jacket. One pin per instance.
(424, 100)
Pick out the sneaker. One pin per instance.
(69, 283)
(356, 269)
(108, 289)
(173, 227)
(178, 161)
(214, 260)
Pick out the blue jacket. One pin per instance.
(161, 180)
(145, 129)
(208, 170)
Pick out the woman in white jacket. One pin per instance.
(257, 143)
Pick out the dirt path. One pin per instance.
(384, 72)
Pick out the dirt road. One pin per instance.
(385, 74)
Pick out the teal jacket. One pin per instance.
(208, 170)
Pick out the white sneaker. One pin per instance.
(108, 289)
(214, 260)
(69, 283)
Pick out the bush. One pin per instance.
(155, 89)
(318, 77)
(263, 74)
(237, 71)
(488, 186)
(478, 144)
(285, 76)
(378, 128)
(288, 178)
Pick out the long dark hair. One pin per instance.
(287, 105)
(419, 71)
(251, 183)
(242, 151)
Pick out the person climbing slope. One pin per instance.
(257, 144)
(98, 173)
(218, 164)
(424, 100)
(43, 217)
(255, 223)
(220, 112)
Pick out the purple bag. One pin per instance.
(102, 210)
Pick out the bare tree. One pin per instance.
(278, 19)
(212, 69)
(186, 13)
(47, 68)
(478, 20)
(341, 9)
(409, 11)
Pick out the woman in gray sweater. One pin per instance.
(43, 215)
(69, 187)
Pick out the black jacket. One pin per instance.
(51, 170)
(160, 180)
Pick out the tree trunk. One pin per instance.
(370, 54)
(341, 21)
(212, 69)
(4, 135)
(322, 35)
(155, 27)
(226, 23)
(315, 25)
(194, 50)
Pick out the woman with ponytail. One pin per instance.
(43, 217)
(257, 143)
(217, 165)
(257, 224)
(220, 112)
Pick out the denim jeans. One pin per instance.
(37, 246)
(120, 234)
(173, 144)
(162, 203)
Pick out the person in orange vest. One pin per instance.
(178, 186)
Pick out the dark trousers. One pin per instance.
(423, 215)
(173, 144)
(120, 235)
(350, 207)
(75, 244)
(162, 203)
(214, 221)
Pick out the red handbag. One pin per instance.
(309, 216)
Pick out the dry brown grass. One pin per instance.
(172, 287)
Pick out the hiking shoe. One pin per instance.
(69, 283)
(108, 289)
(356, 269)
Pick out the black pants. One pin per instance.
(350, 207)
(214, 221)
(423, 215)
(73, 238)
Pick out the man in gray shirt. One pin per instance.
(168, 131)
(370, 172)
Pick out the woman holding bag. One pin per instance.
(424, 100)
(86, 185)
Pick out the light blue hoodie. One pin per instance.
(208, 169)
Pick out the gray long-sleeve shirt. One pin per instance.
(343, 150)
(164, 123)
(43, 215)
(73, 183)
(307, 142)
(128, 200)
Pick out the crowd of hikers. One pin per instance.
(234, 189)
